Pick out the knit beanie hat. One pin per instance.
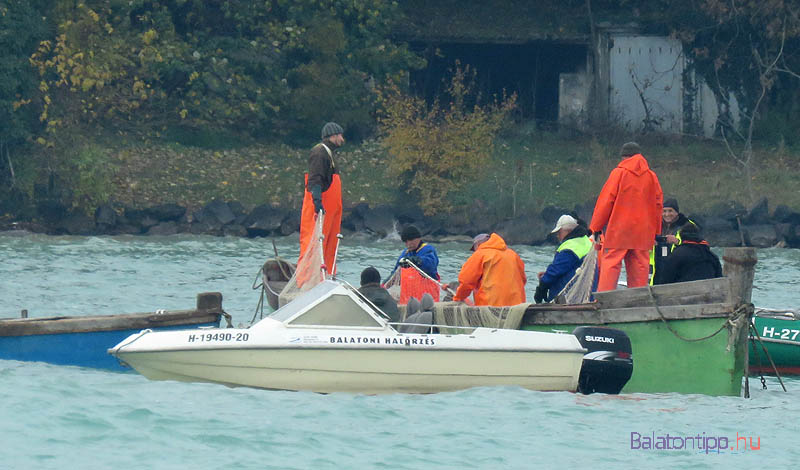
(370, 276)
(330, 129)
(630, 149)
(410, 232)
(673, 203)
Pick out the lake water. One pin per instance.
(69, 417)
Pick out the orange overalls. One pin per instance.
(629, 208)
(332, 202)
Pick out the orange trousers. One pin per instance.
(637, 267)
(332, 201)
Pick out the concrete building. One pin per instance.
(623, 78)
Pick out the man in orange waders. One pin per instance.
(495, 274)
(323, 194)
(629, 208)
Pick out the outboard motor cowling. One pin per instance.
(608, 364)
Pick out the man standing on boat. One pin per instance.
(423, 255)
(629, 209)
(323, 195)
(574, 241)
(494, 274)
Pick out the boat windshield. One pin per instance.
(335, 308)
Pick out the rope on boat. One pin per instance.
(263, 286)
(228, 319)
(758, 358)
(766, 353)
(732, 321)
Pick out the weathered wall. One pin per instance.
(646, 81)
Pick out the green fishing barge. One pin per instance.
(689, 337)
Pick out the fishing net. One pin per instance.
(461, 314)
(309, 271)
(409, 282)
(579, 289)
(393, 285)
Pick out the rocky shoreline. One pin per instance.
(726, 224)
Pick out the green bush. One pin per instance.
(90, 175)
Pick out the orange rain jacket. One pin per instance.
(629, 206)
(495, 273)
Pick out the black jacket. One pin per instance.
(321, 166)
(382, 299)
(689, 261)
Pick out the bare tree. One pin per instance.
(738, 137)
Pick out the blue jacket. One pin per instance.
(564, 264)
(429, 260)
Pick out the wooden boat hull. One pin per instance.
(83, 341)
(781, 337)
(686, 337)
(665, 363)
(275, 274)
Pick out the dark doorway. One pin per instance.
(529, 70)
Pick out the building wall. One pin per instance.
(646, 83)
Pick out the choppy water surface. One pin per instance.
(67, 417)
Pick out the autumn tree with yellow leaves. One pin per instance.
(436, 149)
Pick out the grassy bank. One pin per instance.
(529, 170)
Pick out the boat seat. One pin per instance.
(426, 304)
(412, 307)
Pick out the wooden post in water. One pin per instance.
(740, 267)
(24, 313)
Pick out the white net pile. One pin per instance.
(309, 268)
(579, 289)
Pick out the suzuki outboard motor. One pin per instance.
(608, 365)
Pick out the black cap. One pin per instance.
(410, 232)
(691, 231)
(630, 149)
(370, 276)
(691, 227)
(673, 203)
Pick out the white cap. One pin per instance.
(565, 221)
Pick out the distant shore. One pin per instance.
(727, 225)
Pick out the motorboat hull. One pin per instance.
(331, 339)
(371, 371)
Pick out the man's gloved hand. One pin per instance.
(597, 243)
(416, 260)
(541, 293)
(404, 263)
(316, 197)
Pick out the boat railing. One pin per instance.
(430, 327)
(789, 314)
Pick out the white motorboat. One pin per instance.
(331, 339)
